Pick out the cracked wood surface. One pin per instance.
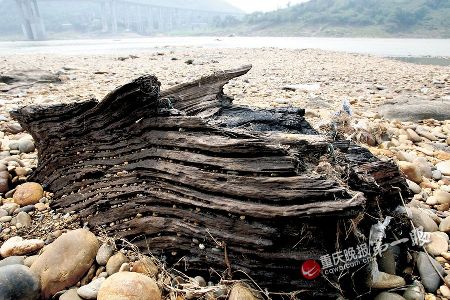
(200, 170)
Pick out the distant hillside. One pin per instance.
(369, 18)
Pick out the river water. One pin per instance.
(374, 46)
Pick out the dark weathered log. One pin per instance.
(257, 188)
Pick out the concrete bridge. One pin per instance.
(134, 15)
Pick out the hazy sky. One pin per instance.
(262, 5)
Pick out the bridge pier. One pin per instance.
(32, 24)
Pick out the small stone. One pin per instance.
(421, 219)
(444, 167)
(125, 267)
(411, 171)
(146, 266)
(200, 281)
(21, 171)
(115, 262)
(431, 201)
(445, 225)
(438, 243)
(129, 285)
(28, 208)
(436, 174)
(18, 246)
(26, 146)
(414, 187)
(29, 260)
(412, 135)
(56, 271)
(429, 278)
(442, 197)
(19, 283)
(445, 291)
(28, 193)
(3, 213)
(12, 260)
(24, 219)
(90, 290)
(89, 275)
(424, 166)
(10, 207)
(241, 292)
(70, 295)
(13, 128)
(414, 292)
(388, 296)
(5, 219)
(41, 206)
(382, 280)
(104, 253)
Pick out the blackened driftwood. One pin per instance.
(217, 186)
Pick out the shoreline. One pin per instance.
(370, 46)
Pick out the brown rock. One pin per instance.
(445, 225)
(411, 171)
(115, 262)
(413, 136)
(17, 246)
(145, 266)
(438, 243)
(28, 193)
(129, 286)
(65, 261)
(241, 292)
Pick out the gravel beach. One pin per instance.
(399, 111)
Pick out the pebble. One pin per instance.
(90, 290)
(241, 292)
(10, 207)
(438, 243)
(28, 193)
(29, 260)
(12, 260)
(18, 246)
(104, 253)
(414, 292)
(3, 213)
(41, 206)
(26, 146)
(388, 296)
(115, 262)
(445, 225)
(437, 175)
(56, 271)
(444, 167)
(5, 219)
(19, 283)
(23, 218)
(445, 291)
(429, 278)
(129, 286)
(382, 280)
(412, 135)
(145, 265)
(411, 171)
(70, 295)
(421, 219)
(414, 187)
(442, 197)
